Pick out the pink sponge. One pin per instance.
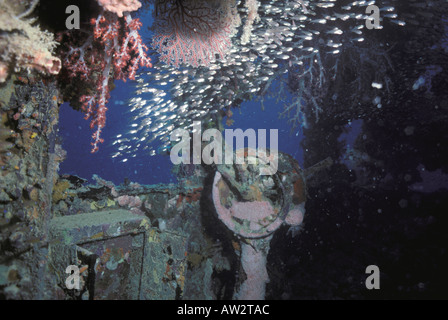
(120, 6)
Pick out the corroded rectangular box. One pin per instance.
(119, 256)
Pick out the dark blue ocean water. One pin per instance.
(144, 168)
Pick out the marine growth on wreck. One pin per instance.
(223, 149)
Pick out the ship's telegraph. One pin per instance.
(253, 206)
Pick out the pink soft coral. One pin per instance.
(114, 51)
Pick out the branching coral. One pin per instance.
(22, 45)
(113, 51)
